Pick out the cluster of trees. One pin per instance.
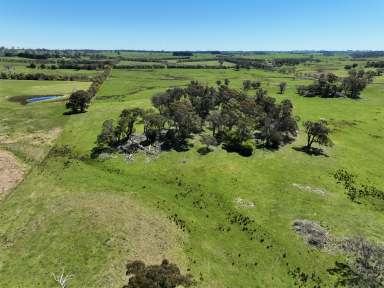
(267, 65)
(331, 86)
(33, 65)
(375, 64)
(248, 84)
(42, 76)
(165, 275)
(349, 67)
(31, 55)
(79, 101)
(235, 119)
(367, 54)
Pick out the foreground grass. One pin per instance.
(91, 216)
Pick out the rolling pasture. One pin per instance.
(225, 218)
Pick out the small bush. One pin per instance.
(165, 275)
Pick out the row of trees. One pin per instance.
(79, 101)
(75, 66)
(43, 76)
(182, 54)
(234, 119)
(278, 62)
(44, 54)
(331, 86)
(171, 66)
(249, 63)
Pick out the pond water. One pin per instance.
(42, 98)
(33, 99)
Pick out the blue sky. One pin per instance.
(193, 25)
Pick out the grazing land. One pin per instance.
(225, 218)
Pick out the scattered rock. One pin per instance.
(137, 143)
(314, 234)
(306, 188)
(243, 203)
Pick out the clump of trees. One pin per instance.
(165, 275)
(356, 82)
(234, 119)
(367, 54)
(248, 84)
(375, 64)
(349, 67)
(331, 86)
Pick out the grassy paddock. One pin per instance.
(91, 216)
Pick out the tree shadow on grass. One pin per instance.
(242, 150)
(266, 147)
(68, 113)
(312, 151)
(204, 150)
(178, 146)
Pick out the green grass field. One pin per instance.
(90, 217)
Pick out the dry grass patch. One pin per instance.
(136, 233)
(11, 171)
(33, 145)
